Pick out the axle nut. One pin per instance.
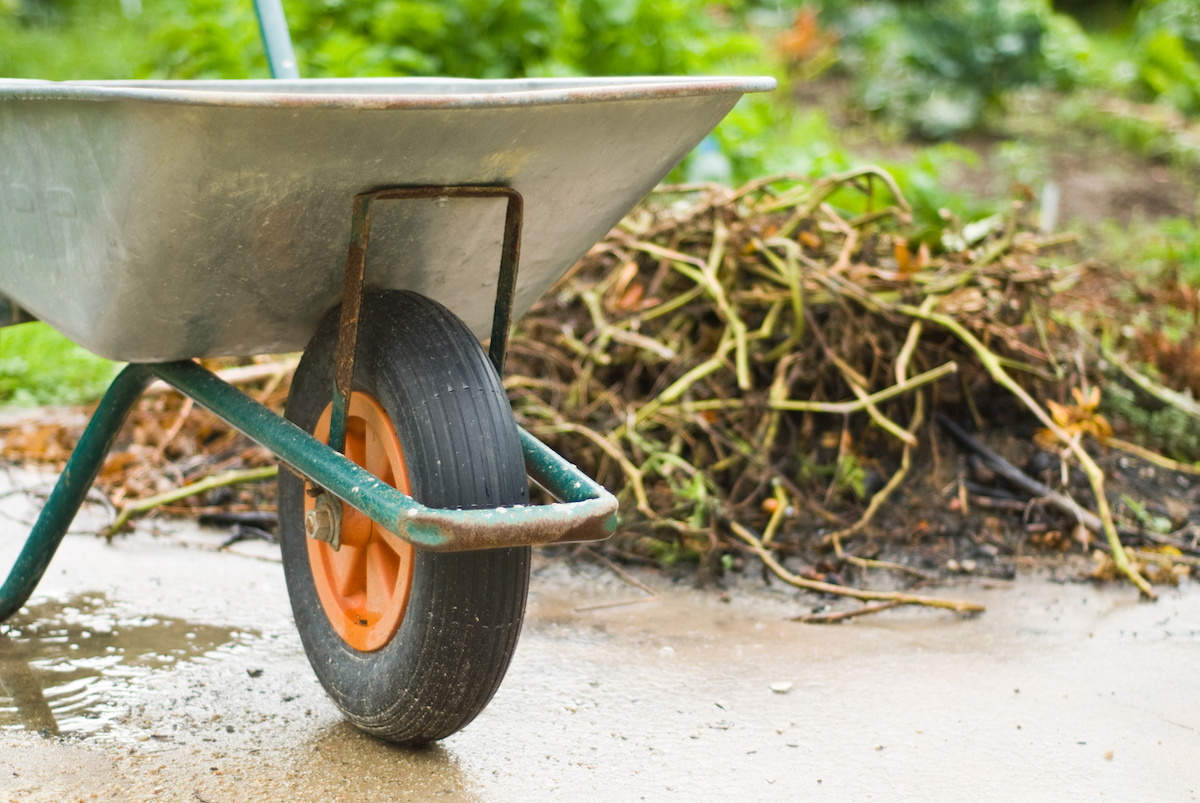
(323, 521)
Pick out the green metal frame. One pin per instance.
(588, 512)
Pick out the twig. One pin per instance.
(789, 269)
(227, 518)
(628, 578)
(1044, 493)
(841, 616)
(781, 505)
(910, 344)
(807, 199)
(706, 276)
(184, 412)
(993, 252)
(1094, 474)
(899, 597)
(998, 503)
(871, 563)
(246, 532)
(881, 496)
(881, 420)
(1152, 457)
(1141, 554)
(681, 385)
(206, 484)
(843, 450)
(612, 450)
(238, 375)
(892, 391)
(1167, 540)
(617, 604)
(1164, 394)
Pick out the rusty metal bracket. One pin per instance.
(356, 266)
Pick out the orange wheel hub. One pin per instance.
(364, 585)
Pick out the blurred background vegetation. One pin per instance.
(966, 102)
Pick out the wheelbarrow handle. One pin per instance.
(276, 39)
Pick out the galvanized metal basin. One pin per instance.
(162, 220)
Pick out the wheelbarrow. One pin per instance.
(377, 224)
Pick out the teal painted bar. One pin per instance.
(563, 480)
(277, 41)
(71, 488)
(293, 446)
(587, 512)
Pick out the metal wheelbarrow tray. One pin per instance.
(379, 225)
(153, 221)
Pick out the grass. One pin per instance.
(38, 366)
(95, 43)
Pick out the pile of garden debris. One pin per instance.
(774, 376)
(761, 372)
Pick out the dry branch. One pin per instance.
(896, 597)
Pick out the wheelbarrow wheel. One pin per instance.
(410, 644)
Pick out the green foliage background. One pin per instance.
(1166, 53)
(931, 69)
(39, 366)
(939, 66)
(934, 68)
(463, 38)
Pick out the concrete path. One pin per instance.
(172, 672)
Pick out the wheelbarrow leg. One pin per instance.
(72, 487)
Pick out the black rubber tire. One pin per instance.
(460, 444)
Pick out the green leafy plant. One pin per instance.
(851, 476)
(39, 366)
(1156, 57)
(1169, 72)
(1155, 250)
(1159, 524)
(1165, 428)
(68, 39)
(205, 39)
(461, 38)
(937, 67)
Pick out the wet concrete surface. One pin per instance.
(159, 669)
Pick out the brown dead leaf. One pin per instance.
(806, 39)
(631, 299)
(904, 260)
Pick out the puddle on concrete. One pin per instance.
(70, 668)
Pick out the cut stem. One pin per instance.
(1094, 474)
(899, 597)
(207, 484)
